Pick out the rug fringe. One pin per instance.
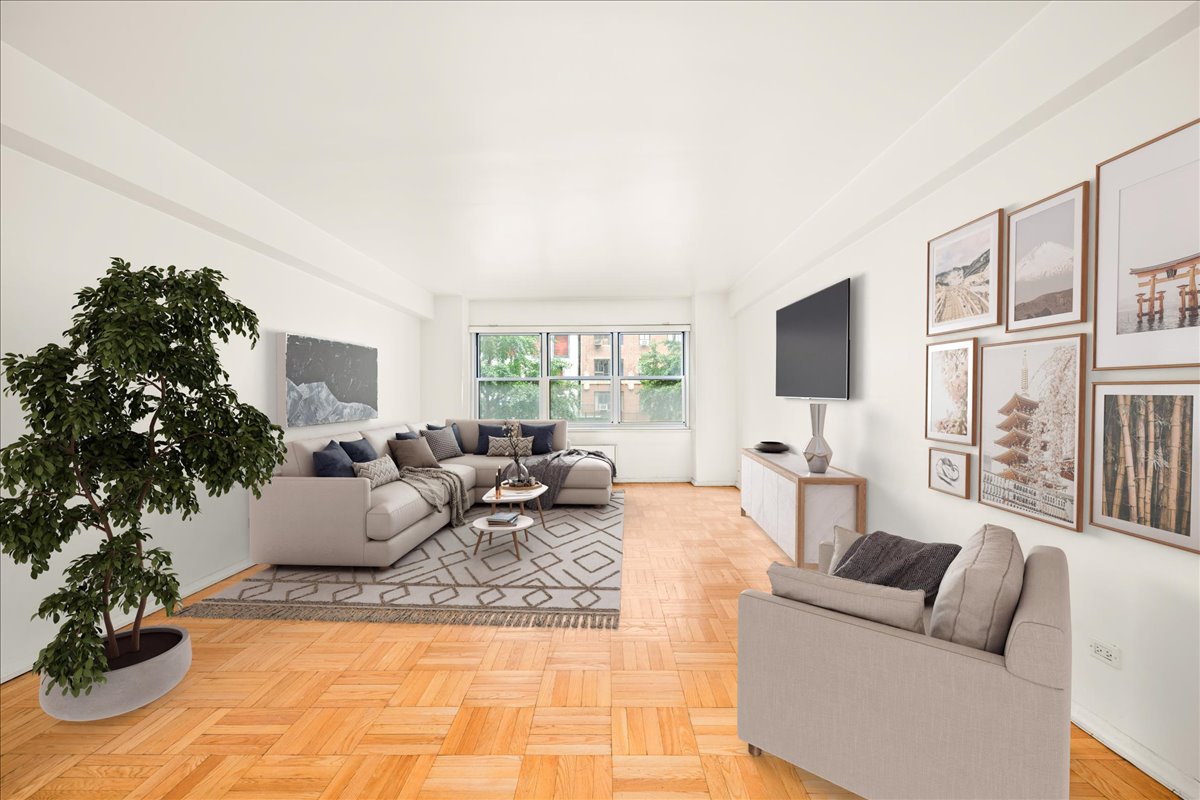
(503, 618)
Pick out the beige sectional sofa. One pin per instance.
(343, 522)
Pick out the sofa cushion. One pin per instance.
(890, 560)
(333, 462)
(980, 590)
(380, 471)
(378, 437)
(411, 453)
(503, 446)
(300, 454)
(843, 539)
(887, 605)
(360, 451)
(394, 507)
(588, 473)
(442, 442)
(454, 428)
(464, 471)
(543, 437)
(484, 433)
(469, 429)
(407, 435)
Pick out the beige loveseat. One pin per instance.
(343, 522)
(889, 713)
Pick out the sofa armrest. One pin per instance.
(824, 557)
(319, 521)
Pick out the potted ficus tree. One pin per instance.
(128, 416)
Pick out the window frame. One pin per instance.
(616, 368)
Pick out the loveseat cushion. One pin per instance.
(486, 432)
(543, 437)
(411, 453)
(887, 605)
(360, 451)
(979, 592)
(332, 462)
(442, 442)
(394, 507)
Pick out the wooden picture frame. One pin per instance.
(940, 391)
(1147, 236)
(1047, 266)
(1110, 482)
(949, 472)
(954, 276)
(1022, 398)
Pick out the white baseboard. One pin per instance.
(712, 483)
(626, 479)
(1136, 753)
(121, 620)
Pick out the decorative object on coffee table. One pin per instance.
(519, 476)
(121, 426)
(771, 447)
(818, 453)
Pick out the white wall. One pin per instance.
(1141, 596)
(445, 360)
(714, 393)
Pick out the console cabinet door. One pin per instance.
(785, 525)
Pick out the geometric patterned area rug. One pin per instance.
(568, 576)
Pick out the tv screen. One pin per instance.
(812, 346)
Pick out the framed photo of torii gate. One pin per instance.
(1148, 254)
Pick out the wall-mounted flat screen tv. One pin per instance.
(812, 346)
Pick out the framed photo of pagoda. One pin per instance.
(1148, 254)
(1144, 444)
(1031, 428)
(950, 392)
(1048, 261)
(963, 269)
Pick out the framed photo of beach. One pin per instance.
(950, 392)
(1144, 444)
(950, 472)
(1047, 261)
(963, 269)
(1031, 427)
(1148, 254)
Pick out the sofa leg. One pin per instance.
(754, 751)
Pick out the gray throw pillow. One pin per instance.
(442, 443)
(380, 471)
(501, 446)
(979, 593)
(412, 453)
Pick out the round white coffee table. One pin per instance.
(518, 497)
(481, 527)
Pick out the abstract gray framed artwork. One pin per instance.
(324, 381)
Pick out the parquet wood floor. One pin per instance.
(316, 710)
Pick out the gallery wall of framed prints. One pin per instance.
(1016, 404)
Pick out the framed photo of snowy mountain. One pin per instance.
(1144, 444)
(950, 392)
(1031, 428)
(323, 381)
(1047, 261)
(1148, 254)
(963, 269)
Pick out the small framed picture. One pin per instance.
(1047, 261)
(1144, 477)
(950, 472)
(1148, 254)
(950, 392)
(963, 276)
(1031, 427)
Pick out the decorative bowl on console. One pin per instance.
(771, 447)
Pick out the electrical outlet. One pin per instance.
(1108, 653)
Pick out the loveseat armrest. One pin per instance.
(312, 521)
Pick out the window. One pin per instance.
(576, 376)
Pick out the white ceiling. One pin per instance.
(517, 149)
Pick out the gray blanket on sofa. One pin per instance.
(439, 487)
(552, 469)
(888, 560)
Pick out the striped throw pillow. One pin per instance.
(442, 443)
(380, 471)
(499, 446)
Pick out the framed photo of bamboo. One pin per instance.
(1031, 427)
(1144, 477)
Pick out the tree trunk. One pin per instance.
(110, 633)
(135, 638)
(1174, 445)
(1127, 452)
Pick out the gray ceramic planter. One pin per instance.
(126, 689)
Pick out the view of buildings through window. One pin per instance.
(579, 377)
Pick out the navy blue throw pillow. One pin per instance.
(360, 451)
(543, 437)
(408, 435)
(332, 462)
(453, 427)
(484, 432)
